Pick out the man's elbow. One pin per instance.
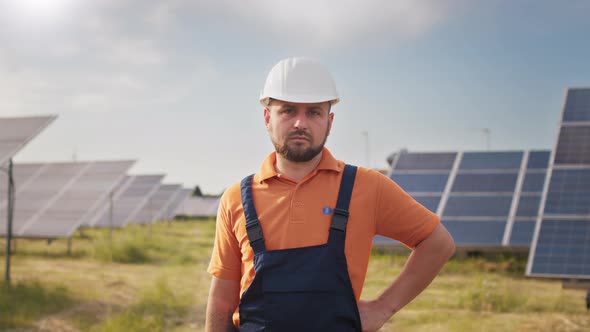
(441, 242)
(448, 243)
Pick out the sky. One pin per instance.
(175, 84)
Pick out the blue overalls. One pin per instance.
(300, 289)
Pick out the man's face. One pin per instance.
(298, 130)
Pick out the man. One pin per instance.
(293, 242)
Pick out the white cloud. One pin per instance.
(333, 23)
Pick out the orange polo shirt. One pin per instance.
(292, 215)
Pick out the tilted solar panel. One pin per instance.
(490, 182)
(38, 196)
(561, 242)
(15, 133)
(429, 202)
(577, 106)
(476, 233)
(491, 160)
(155, 206)
(495, 194)
(79, 197)
(421, 182)
(478, 206)
(170, 211)
(430, 161)
(128, 202)
(538, 159)
(569, 192)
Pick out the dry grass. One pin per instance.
(154, 279)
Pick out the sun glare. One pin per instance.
(41, 9)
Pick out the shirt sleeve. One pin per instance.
(400, 217)
(226, 256)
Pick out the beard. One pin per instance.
(299, 153)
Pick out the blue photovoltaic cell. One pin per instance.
(563, 248)
(538, 159)
(569, 192)
(421, 182)
(429, 202)
(522, 233)
(425, 161)
(491, 160)
(476, 233)
(485, 182)
(577, 105)
(480, 206)
(528, 206)
(573, 146)
(533, 182)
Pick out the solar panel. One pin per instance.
(574, 145)
(522, 233)
(421, 182)
(128, 201)
(534, 181)
(538, 159)
(476, 233)
(490, 182)
(156, 205)
(430, 161)
(170, 211)
(491, 160)
(569, 192)
(105, 203)
(59, 199)
(495, 194)
(562, 249)
(429, 202)
(16, 132)
(478, 206)
(561, 242)
(528, 205)
(577, 106)
(199, 207)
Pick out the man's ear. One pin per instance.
(266, 117)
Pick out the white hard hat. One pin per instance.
(299, 80)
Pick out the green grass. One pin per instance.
(25, 302)
(153, 278)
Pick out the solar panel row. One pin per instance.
(485, 198)
(53, 200)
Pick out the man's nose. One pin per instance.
(300, 121)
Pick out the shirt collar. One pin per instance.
(267, 169)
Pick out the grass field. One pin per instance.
(153, 278)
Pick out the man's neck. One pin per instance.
(296, 171)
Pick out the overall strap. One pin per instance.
(340, 216)
(252, 224)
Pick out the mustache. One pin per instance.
(300, 133)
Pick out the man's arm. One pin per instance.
(422, 266)
(223, 301)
